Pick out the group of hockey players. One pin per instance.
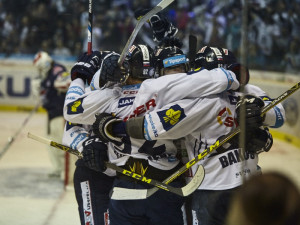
(135, 115)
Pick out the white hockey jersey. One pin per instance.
(135, 100)
(202, 121)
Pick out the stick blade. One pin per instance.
(119, 193)
(38, 138)
(195, 182)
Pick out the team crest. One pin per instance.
(171, 117)
(75, 107)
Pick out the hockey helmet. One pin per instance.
(43, 62)
(139, 61)
(214, 57)
(170, 56)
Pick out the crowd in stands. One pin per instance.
(270, 28)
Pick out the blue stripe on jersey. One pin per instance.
(279, 118)
(229, 77)
(130, 87)
(75, 90)
(92, 84)
(77, 139)
(146, 133)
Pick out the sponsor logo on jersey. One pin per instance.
(142, 109)
(130, 92)
(154, 130)
(171, 116)
(233, 157)
(175, 60)
(279, 117)
(226, 118)
(77, 140)
(75, 107)
(125, 101)
(69, 125)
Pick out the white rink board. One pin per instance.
(15, 79)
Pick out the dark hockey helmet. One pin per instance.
(170, 56)
(139, 62)
(214, 57)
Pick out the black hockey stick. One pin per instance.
(192, 49)
(163, 4)
(11, 139)
(125, 194)
(184, 191)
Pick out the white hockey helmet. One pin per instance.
(42, 61)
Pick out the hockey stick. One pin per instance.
(90, 27)
(184, 191)
(126, 194)
(11, 139)
(163, 4)
(192, 49)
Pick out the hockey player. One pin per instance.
(227, 167)
(91, 186)
(136, 100)
(50, 88)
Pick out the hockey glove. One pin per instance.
(160, 25)
(86, 66)
(260, 140)
(241, 72)
(256, 141)
(253, 106)
(105, 128)
(95, 154)
(110, 70)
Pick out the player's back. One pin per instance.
(160, 154)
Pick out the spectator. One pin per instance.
(26, 25)
(291, 60)
(60, 49)
(270, 198)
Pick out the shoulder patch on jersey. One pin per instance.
(125, 101)
(69, 125)
(75, 90)
(75, 107)
(171, 116)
